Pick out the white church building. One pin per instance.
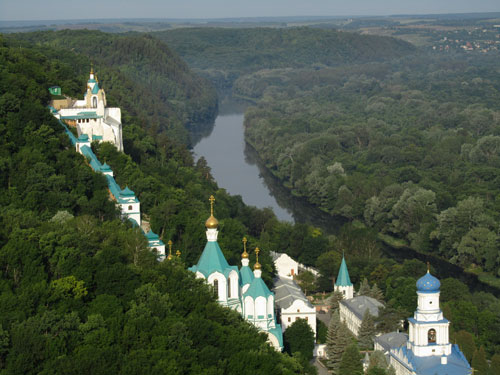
(91, 116)
(239, 289)
(428, 350)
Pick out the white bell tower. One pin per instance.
(429, 330)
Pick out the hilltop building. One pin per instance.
(352, 309)
(90, 116)
(428, 350)
(239, 289)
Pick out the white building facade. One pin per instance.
(428, 350)
(239, 289)
(91, 117)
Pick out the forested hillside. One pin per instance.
(223, 55)
(80, 292)
(167, 95)
(410, 147)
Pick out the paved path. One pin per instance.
(321, 369)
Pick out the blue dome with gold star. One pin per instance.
(428, 284)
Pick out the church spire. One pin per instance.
(343, 282)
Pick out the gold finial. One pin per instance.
(428, 267)
(245, 254)
(91, 68)
(170, 243)
(95, 77)
(211, 222)
(257, 264)
(212, 200)
(178, 253)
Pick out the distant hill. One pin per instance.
(172, 96)
(225, 54)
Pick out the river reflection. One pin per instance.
(223, 148)
(237, 168)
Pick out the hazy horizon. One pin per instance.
(54, 10)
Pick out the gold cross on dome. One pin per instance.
(212, 200)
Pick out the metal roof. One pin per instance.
(287, 291)
(358, 305)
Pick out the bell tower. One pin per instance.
(429, 330)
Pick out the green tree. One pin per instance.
(376, 292)
(364, 288)
(466, 342)
(479, 362)
(366, 331)
(307, 281)
(351, 361)
(299, 337)
(334, 300)
(495, 365)
(338, 338)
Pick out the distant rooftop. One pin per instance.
(286, 291)
(358, 305)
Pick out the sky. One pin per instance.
(12, 10)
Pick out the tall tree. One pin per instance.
(364, 288)
(366, 331)
(479, 362)
(334, 300)
(351, 361)
(466, 342)
(299, 337)
(376, 292)
(338, 338)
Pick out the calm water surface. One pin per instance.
(224, 150)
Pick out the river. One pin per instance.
(224, 150)
(237, 168)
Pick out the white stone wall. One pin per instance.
(350, 319)
(298, 310)
(286, 266)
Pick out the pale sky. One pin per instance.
(11, 10)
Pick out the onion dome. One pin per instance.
(428, 283)
(245, 254)
(212, 222)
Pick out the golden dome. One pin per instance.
(245, 254)
(211, 222)
(257, 264)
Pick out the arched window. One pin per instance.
(228, 287)
(94, 102)
(431, 336)
(216, 288)
(289, 319)
(130, 208)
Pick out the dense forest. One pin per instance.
(81, 291)
(411, 148)
(223, 55)
(167, 96)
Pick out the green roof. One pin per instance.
(246, 275)
(152, 236)
(127, 192)
(258, 288)
(343, 276)
(97, 137)
(278, 333)
(212, 260)
(105, 168)
(95, 89)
